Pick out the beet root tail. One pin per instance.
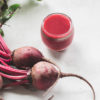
(80, 77)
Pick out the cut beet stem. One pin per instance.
(13, 77)
(12, 71)
(4, 54)
(6, 65)
(4, 46)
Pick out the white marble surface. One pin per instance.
(81, 57)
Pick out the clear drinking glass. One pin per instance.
(57, 31)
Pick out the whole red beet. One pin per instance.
(26, 56)
(44, 75)
(23, 57)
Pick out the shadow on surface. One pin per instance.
(22, 91)
(57, 54)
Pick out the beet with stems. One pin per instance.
(26, 56)
(22, 57)
(42, 76)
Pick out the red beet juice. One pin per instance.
(57, 31)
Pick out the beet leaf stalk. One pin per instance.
(9, 70)
(5, 53)
(12, 73)
(24, 57)
(5, 14)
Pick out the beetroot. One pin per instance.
(24, 57)
(42, 76)
(1, 82)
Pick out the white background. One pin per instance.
(81, 57)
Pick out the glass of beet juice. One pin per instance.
(57, 31)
